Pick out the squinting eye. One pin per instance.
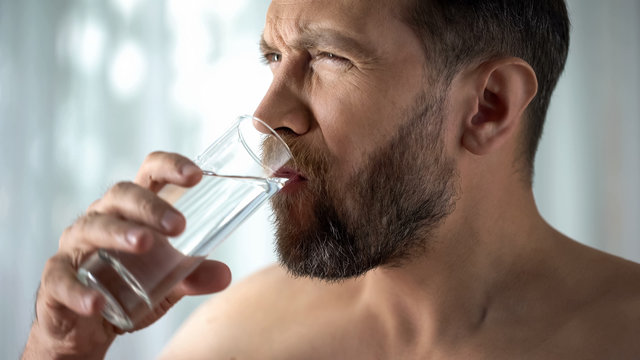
(271, 58)
(334, 58)
(331, 56)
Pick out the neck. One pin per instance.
(478, 257)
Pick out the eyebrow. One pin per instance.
(331, 39)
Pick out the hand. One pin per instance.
(130, 217)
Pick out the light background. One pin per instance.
(88, 88)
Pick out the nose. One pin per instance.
(284, 108)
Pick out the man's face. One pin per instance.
(349, 96)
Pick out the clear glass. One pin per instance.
(240, 173)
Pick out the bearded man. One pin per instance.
(408, 229)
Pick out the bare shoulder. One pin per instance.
(615, 284)
(263, 310)
(621, 295)
(610, 322)
(223, 319)
(618, 281)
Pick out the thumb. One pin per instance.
(209, 277)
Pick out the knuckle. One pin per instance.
(67, 234)
(154, 156)
(148, 207)
(48, 265)
(76, 230)
(50, 271)
(120, 188)
(94, 206)
(115, 193)
(81, 224)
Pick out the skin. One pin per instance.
(130, 217)
(497, 282)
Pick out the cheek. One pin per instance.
(352, 121)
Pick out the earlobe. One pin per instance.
(502, 89)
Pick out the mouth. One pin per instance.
(294, 179)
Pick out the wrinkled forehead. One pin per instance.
(351, 16)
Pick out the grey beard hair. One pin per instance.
(384, 214)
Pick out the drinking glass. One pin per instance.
(240, 173)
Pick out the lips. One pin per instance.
(295, 179)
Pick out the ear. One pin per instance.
(502, 90)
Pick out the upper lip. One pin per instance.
(288, 173)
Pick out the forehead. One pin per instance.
(350, 16)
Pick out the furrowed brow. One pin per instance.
(333, 39)
(265, 48)
(325, 39)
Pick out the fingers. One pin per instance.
(138, 201)
(60, 287)
(129, 218)
(209, 277)
(160, 168)
(97, 230)
(140, 205)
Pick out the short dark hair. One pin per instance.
(457, 33)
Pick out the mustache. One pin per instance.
(309, 161)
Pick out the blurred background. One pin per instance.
(88, 88)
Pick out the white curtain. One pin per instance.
(88, 88)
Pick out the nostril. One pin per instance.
(285, 132)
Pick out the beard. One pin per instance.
(385, 213)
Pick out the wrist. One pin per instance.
(41, 345)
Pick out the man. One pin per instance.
(409, 231)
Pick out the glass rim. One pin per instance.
(249, 146)
(272, 131)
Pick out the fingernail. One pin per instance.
(134, 236)
(87, 303)
(171, 220)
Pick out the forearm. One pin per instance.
(42, 346)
